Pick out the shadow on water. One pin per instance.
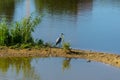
(18, 65)
(7, 8)
(69, 7)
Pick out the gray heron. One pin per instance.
(59, 39)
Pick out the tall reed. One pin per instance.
(20, 31)
(4, 32)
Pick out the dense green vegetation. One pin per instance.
(19, 33)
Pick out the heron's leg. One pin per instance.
(59, 45)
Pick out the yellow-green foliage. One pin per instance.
(66, 63)
(19, 32)
(66, 46)
(4, 32)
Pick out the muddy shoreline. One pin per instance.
(107, 58)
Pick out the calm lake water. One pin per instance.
(87, 24)
(55, 69)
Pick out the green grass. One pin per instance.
(66, 46)
(4, 32)
(18, 32)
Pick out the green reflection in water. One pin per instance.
(7, 8)
(66, 63)
(69, 7)
(63, 6)
(18, 65)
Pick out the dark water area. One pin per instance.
(87, 24)
(55, 69)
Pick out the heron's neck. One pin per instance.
(62, 38)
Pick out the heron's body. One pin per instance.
(59, 39)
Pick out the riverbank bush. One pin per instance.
(18, 32)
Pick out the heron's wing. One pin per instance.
(57, 39)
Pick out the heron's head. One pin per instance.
(62, 34)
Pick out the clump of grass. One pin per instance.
(19, 32)
(48, 44)
(14, 46)
(66, 47)
(4, 32)
(24, 46)
(40, 43)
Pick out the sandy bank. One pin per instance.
(107, 58)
